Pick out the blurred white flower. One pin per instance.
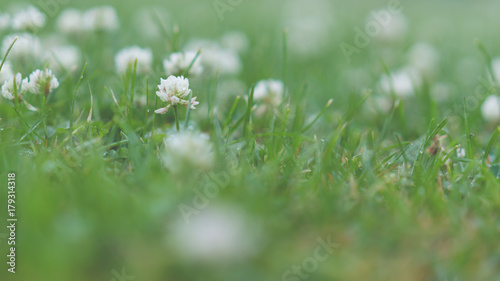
(67, 57)
(461, 153)
(20, 85)
(28, 19)
(393, 30)
(425, 58)
(269, 91)
(217, 234)
(187, 151)
(6, 73)
(214, 57)
(403, 82)
(309, 25)
(42, 82)
(4, 21)
(26, 46)
(178, 63)
(102, 18)
(70, 21)
(235, 40)
(490, 109)
(126, 57)
(175, 90)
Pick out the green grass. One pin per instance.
(93, 195)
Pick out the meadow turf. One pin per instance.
(410, 192)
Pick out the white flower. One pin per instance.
(217, 59)
(126, 57)
(403, 82)
(42, 82)
(461, 153)
(178, 63)
(175, 90)
(8, 86)
(216, 234)
(269, 91)
(6, 73)
(4, 21)
(393, 30)
(101, 18)
(70, 21)
(28, 19)
(425, 58)
(490, 109)
(186, 151)
(27, 45)
(235, 40)
(67, 57)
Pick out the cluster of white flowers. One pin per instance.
(269, 91)
(26, 46)
(125, 59)
(175, 90)
(188, 150)
(14, 84)
(28, 19)
(178, 63)
(218, 234)
(102, 18)
(42, 82)
(225, 61)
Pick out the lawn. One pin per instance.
(249, 140)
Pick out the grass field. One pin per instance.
(305, 140)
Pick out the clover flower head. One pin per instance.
(126, 57)
(15, 83)
(174, 91)
(102, 18)
(65, 56)
(215, 58)
(490, 109)
(28, 19)
(27, 45)
(179, 62)
(269, 91)
(188, 150)
(403, 82)
(70, 21)
(42, 82)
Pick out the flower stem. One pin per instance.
(176, 118)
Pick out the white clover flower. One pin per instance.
(461, 153)
(102, 18)
(269, 91)
(186, 151)
(70, 21)
(21, 86)
(217, 234)
(4, 21)
(27, 45)
(425, 58)
(42, 82)
(126, 57)
(67, 57)
(235, 40)
(403, 82)
(6, 73)
(175, 90)
(215, 58)
(178, 63)
(490, 109)
(28, 19)
(393, 30)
